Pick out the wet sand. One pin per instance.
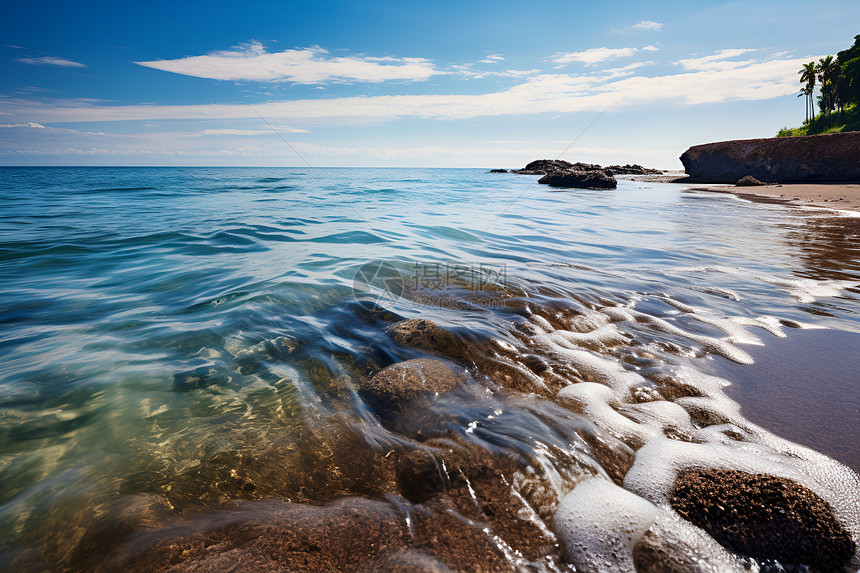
(843, 196)
(803, 388)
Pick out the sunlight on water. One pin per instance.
(174, 339)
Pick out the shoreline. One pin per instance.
(836, 195)
(832, 196)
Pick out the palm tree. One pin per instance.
(808, 75)
(827, 71)
(804, 92)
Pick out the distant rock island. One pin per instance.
(560, 173)
(828, 157)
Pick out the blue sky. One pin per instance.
(449, 84)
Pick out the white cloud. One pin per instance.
(492, 59)
(253, 131)
(303, 66)
(593, 56)
(30, 125)
(51, 61)
(650, 49)
(716, 61)
(468, 71)
(646, 25)
(545, 93)
(627, 70)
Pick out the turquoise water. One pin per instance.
(152, 319)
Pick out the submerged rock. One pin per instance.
(749, 181)
(426, 335)
(764, 516)
(580, 179)
(406, 381)
(274, 536)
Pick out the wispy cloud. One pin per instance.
(646, 25)
(623, 71)
(51, 61)
(593, 55)
(312, 65)
(492, 59)
(544, 93)
(253, 131)
(469, 71)
(30, 125)
(717, 61)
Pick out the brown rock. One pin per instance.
(406, 561)
(764, 517)
(406, 381)
(425, 335)
(828, 157)
(749, 181)
(273, 536)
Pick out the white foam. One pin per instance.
(599, 524)
(595, 401)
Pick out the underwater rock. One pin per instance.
(426, 335)
(274, 536)
(406, 381)
(764, 516)
(406, 561)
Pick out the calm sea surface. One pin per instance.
(156, 320)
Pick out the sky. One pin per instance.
(389, 84)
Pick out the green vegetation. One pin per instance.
(847, 119)
(838, 82)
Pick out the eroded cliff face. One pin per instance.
(829, 157)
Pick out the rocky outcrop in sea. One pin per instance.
(560, 173)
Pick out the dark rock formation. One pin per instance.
(593, 179)
(599, 176)
(634, 169)
(405, 381)
(544, 166)
(829, 157)
(547, 166)
(749, 181)
(764, 517)
(498, 171)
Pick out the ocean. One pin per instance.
(177, 341)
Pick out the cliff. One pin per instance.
(829, 157)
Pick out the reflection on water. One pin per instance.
(191, 356)
(827, 246)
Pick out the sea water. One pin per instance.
(155, 322)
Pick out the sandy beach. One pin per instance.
(843, 196)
